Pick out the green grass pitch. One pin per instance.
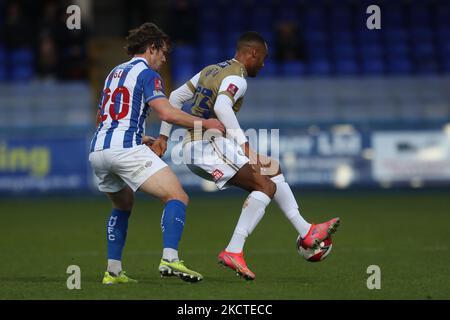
(405, 234)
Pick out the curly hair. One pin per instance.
(148, 34)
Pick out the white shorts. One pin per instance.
(116, 168)
(217, 160)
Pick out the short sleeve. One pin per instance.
(234, 87)
(192, 83)
(152, 84)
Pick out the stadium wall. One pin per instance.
(333, 133)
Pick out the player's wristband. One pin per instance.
(165, 129)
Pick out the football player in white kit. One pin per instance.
(121, 157)
(217, 92)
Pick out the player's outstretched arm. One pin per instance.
(177, 98)
(168, 113)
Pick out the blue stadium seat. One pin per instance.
(445, 48)
(21, 64)
(292, 69)
(341, 37)
(269, 37)
(368, 37)
(183, 63)
(424, 49)
(3, 56)
(231, 39)
(21, 56)
(421, 33)
(209, 17)
(319, 67)
(400, 66)
(341, 19)
(420, 15)
(286, 14)
(261, 20)
(373, 66)
(399, 35)
(270, 69)
(443, 35)
(393, 16)
(3, 74)
(22, 73)
(315, 37)
(344, 52)
(442, 13)
(446, 66)
(235, 21)
(265, 3)
(183, 72)
(346, 67)
(209, 38)
(291, 4)
(426, 66)
(208, 5)
(181, 54)
(371, 51)
(397, 50)
(315, 19)
(317, 52)
(336, 38)
(228, 53)
(209, 55)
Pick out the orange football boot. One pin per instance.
(236, 262)
(319, 232)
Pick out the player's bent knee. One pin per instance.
(184, 198)
(266, 186)
(122, 200)
(180, 195)
(271, 188)
(123, 205)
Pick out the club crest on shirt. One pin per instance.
(232, 89)
(158, 88)
(158, 84)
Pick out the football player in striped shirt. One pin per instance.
(121, 156)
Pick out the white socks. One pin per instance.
(287, 203)
(170, 254)
(114, 266)
(254, 208)
(252, 212)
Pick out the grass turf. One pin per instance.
(405, 234)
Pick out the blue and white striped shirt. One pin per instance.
(127, 90)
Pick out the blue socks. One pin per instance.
(116, 233)
(172, 223)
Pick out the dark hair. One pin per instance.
(148, 34)
(248, 38)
